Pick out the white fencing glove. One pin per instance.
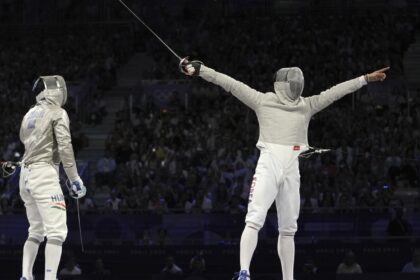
(77, 189)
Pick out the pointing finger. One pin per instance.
(383, 69)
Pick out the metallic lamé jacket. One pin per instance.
(45, 132)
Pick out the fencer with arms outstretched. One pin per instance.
(45, 132)
(283, 117)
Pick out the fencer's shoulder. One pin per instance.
(269, 95)
(57, 110)
(272, 97)
(304, 100)
(58, 113)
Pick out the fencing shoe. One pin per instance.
(242, 275)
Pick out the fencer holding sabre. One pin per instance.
(283, 116)
(45, 132)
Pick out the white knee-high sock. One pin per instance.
(286, 250)
(30, 250)
(53, 251)
(249, 240)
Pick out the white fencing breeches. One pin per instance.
(276, 178)
(44, 202)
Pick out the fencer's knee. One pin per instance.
(55, 241)
(37, 240)
(57, 234)
(287, 234)
(255, 219)
(253, 226)
(36, 234)
(288, 228)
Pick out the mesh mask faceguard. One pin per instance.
(52, 88)
(294, 77)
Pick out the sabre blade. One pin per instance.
(80, 225)
(148, 28)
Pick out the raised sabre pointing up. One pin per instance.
(181, 60)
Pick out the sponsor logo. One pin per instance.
(251, 191)
(296, 148)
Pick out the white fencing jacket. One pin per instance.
(281, 120)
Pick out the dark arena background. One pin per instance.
(168, 159)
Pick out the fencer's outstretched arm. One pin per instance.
(249, 96)
(65, 148)
(244, 93)
(327, 97)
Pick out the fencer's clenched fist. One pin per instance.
(191, 68)
(378, 75)
(77, 188)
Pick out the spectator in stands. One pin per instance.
(144, 238)
(189, 201)
(349, 265)
(105, 170)
(98, 109)
(101, 272)
(178, 134)
(309, 270)
(414, 265)
(308, 201)
(71, 267)
(157, 203)
(344, 154)
(398, 225)
(134, 167)
(327, 199)
(416, 202)
(207, 202)
(131, 202)
(345, 201)
(197, 267)
(393, 165)
(4, 202)
(171, 271)
(87, 205)
(162, 238)
(235, 205)
(3, 239)
(79, 139)
(114, 203)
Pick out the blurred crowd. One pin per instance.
(200, 158)
(346, 45)
(88, 66)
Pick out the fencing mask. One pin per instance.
(294, 77)
(51, 88)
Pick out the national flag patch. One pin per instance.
(59, 205)
(251, 191)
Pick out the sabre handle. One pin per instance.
(76, 188)
(8, 168)
(182, 64)
(190, 68)
(10, 164)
